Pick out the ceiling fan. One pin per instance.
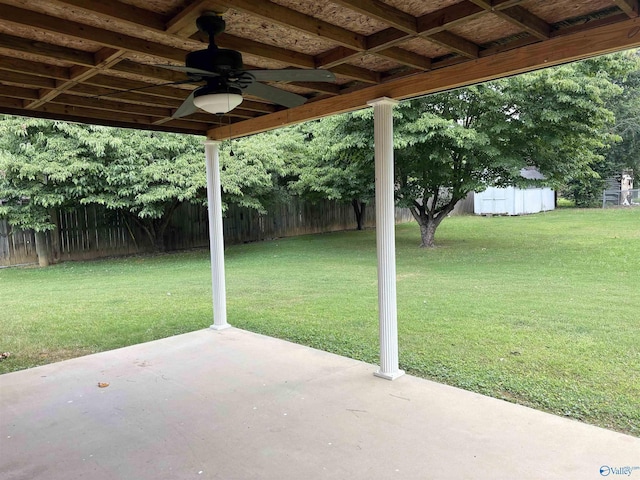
(226, 80)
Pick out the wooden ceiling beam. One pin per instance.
(322, 87)
(18, 92)
(91, 34)
(556, 51)
(10, 102)
(104, 58)
(630, 7)
(527, 21)
(295, 20)
(510, 11)
(407, 58)
(126, 117)
(382, 12)
(122, 84)
(34, 68)
(33, 47)
(495, 5)
(386, 38)
(123, 12)
(455, 43)
(148, 71)
(91, 113)
(258, 49)
(25, 80)
(258, 107)
(342, 55)
(111, 105)
(336, 56)
(356, 73)
(94, 91)
(193, 129)
(448, 17)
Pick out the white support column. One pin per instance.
(216, 239)
(385, 238)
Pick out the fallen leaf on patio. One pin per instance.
(103, 384)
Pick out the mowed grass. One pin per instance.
(542, 310)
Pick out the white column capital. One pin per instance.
(209, 141)
(383, 101)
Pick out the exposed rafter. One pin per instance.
(77, 60)
(630, 7)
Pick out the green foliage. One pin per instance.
(256, 175)
(622, 69)
(453, 143)
(49, 165)
(46, 165)
(626, 107)
(330, 167)
(148, 176)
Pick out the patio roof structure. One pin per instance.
(66, 59)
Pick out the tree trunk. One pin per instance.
(428, 233)
(54, 237)
(41, 249)
(358, 208)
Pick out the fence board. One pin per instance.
(92, 232)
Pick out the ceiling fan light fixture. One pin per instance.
(218, 103)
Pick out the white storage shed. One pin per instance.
(513, 201)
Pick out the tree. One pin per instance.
(45, 166)
(49, 165)
(626, 108)
(148, 176)
(256, 175)
(453, 143)
(333, 170)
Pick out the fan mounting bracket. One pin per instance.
(211, 23)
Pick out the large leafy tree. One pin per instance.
(453, 143)
(45, 166)
(256, 169)
(337, 164)
(148, 176)
(626, 107)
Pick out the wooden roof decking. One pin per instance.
(68, 59)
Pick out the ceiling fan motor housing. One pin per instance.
(220, 60)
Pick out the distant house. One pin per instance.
(514, 200)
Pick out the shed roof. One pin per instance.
(58, 57)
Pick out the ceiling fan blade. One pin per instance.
(187, 107)
(195, 71)
(275, 95)
(293, 75)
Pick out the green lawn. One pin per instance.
(542, 310)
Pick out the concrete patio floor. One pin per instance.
(235, 405)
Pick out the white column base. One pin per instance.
(389, 376)
(220, 327)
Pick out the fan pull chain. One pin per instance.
(231, 154)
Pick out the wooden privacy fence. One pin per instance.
(94, 232)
